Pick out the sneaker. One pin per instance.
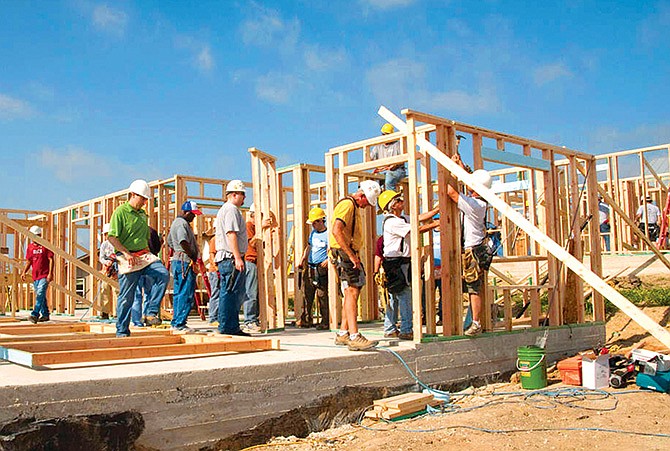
(252, 328)
(122, 335)
(474, 329)
(407, 336)
(182, 329)
(214, 324)
(241, 333)
(393, 334)
(341, 340)
(138, 325)
(33, 319)
(361, 343)
(152, 321)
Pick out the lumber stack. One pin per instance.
(401, 405)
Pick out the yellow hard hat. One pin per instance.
(386, 197)
(315, 214)
(387, 129)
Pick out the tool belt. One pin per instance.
(317, 275)
(143, 258)
(398, 274)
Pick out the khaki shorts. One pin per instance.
(348, 275)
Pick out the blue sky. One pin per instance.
(95, 94)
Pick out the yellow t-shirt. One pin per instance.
(345, 211)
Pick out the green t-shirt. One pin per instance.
(131, 227)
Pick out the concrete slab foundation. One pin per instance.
(192, 402)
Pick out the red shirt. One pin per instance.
(251, 255)
(39, 257)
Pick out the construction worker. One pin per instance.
(129, 234)
(604, 221)
(209, 257)
(107, 259)
(397, 262)
(185, 254)
(231, 245)
(41, 260)
(346, 240)
(648, 213)
(315, 259)
(475, 238)
(393, 173)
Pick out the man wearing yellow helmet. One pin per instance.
(397, 263)
(393, 173)
(316, 280)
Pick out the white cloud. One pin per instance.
(321, 59)
(401, 83)
(109, 20)
(73, 164)
(268, 29)
(610, 139)
(204, 60)
(387, 4)
(276, 88)
(201, 53)
(550, 72)
(13, 108)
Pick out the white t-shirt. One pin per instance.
(474, 214)
(395, 230)
(653, 212)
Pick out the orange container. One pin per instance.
(571, 370)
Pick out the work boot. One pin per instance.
(152, 321)
(33, 319)
(393, 334)
(43, 319)
(322, 326)
(104, 315)
(361, 343)
(474, 329)
(341, 340)
(407, 336)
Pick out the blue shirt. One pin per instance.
(318, 251)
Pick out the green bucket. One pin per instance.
(533, 366)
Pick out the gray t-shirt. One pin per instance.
(180, 230)
(385, 150)
(229, 219)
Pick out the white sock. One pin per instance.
(354, 336)
(342, 333)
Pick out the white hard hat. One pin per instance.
(235, 186)
(37, 230)
(141, 188)
(371, 189)
(105, 228)
(252, 208)
(483, 177)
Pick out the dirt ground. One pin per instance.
(487, 418)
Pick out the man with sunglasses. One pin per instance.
(231, 245)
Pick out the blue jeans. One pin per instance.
(184, 289)
(393, 178)
(41, 307)
(251, 294)
(143, 291)
(399, 303)
(605, 233)
(128, 288)
(213, 307)
(230, 298)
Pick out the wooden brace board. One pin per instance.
(550, 245)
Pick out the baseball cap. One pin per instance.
(191, 206)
